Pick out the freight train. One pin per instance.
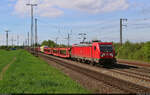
(92, 53)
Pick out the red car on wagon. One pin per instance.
(48, 50)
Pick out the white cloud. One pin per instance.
(95, 6)
(53, 8)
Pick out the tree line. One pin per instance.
(52, 44)
(134, 51)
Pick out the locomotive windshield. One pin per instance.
(106, 48)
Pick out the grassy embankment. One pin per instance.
(28, 74)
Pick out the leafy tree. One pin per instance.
(136, 51)
(52, 44)
(146, 51)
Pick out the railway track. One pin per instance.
(135, 72)
(139, 64)
(140, 69)
(123, 85)
(130, 71)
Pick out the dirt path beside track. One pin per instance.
(6, 67)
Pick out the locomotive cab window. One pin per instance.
(106, 48)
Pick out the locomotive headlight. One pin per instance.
(111, 54)
(102, 55)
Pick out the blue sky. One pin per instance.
(99, 19)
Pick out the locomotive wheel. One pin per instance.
(114, 61)
(92, 63)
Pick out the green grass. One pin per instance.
(29, 74)
(5, 58)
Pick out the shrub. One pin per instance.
(138, 51)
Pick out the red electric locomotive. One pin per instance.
(96, 52)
